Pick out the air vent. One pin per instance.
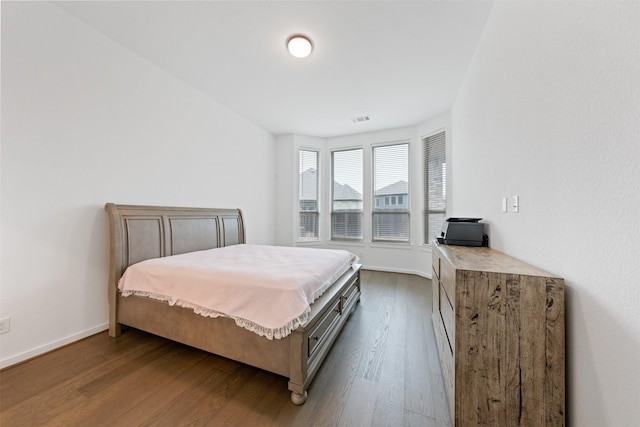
(360, 119)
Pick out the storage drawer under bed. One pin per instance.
(323, 327)
(349, 297)
(341, 306)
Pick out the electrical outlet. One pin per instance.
(5, 325)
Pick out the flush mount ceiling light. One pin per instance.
(299, 45)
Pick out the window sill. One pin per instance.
(358, 244)
(426, 247)
(314, 243)
(391, 245)
(315, 240)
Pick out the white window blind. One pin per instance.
(346, 195)
(308, 194)
(435, 185)
(391, 193)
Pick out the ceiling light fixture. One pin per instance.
(299, 45)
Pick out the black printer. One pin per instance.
(463, 232)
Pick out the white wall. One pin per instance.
(550, 111)
(85, 122)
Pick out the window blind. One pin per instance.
(435, 185)
(308, 194)
(391, 193)
(346, 195)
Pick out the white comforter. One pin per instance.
(265, 289)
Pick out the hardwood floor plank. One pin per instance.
(418, 390)
(389, 405)
(43, 373)
(162, 404)
(441, 403)
(433, 358)
(222, 401)
(209, 377)
(413, 419)
(374, 354)
(359, 405)
(382, 371)
(119, 397)
(64, 396)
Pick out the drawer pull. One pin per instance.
(323, 327)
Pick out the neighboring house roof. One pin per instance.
(400, 187)
(309, 188)
(345, 192)
(309, 185)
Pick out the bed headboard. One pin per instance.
(144, 232)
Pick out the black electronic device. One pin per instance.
(463, 232)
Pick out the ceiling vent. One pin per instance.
(360, 119)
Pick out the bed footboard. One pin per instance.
(311, 344)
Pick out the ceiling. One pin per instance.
(398, 62)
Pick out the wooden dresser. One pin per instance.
(499, 325)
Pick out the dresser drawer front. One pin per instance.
(435, 262)
(447, 279)
(435, 290)
(448, 318)
(447, 363)
(319, 332)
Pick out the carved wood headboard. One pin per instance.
(144, 232)
(138, 233)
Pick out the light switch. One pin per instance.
(504, 205)
(515, 207)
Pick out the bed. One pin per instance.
(139, 233)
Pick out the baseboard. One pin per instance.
(53, 345)
(396, 270)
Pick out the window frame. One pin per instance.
(301, 211)
(438, 137)
(359, 218)
(390, 205)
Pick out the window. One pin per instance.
(308, 194)
(391, 182)
(346, 195)
(435, 185)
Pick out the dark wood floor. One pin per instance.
(382, 371)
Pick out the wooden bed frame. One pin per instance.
(144, 232)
